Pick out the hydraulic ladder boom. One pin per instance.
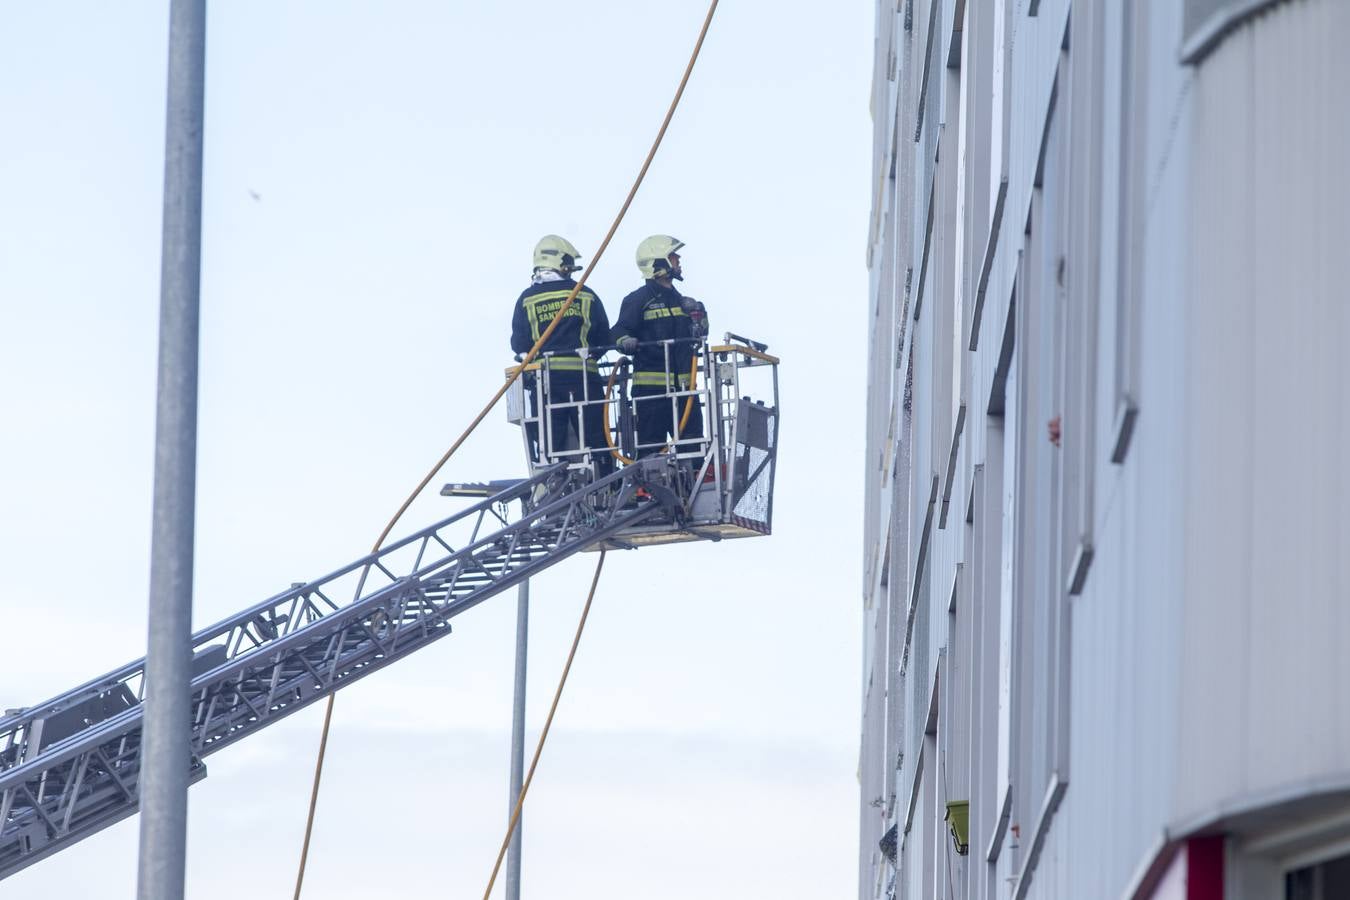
(69, 767)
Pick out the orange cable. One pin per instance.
(543, 735)
(501, 392)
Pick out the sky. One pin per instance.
(376, 176)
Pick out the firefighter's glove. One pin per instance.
(627, 344)
(698, 315)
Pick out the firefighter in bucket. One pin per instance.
(569, 376)
(660, 330)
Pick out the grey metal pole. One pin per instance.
(165, 752)
(518, 740)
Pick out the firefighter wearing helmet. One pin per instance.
(654, 313)
(571, 376)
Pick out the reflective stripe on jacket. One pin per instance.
(654, 313)
(569, 364)
(662, 380)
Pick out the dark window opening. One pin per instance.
(1328, 880)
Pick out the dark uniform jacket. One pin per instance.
(654, 313)
(585, 324)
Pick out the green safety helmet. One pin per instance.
(553, 252)
(653, 255)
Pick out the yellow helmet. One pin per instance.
(553, 252)
(653, 254)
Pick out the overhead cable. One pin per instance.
(478, 419)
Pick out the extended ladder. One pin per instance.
(70, 766)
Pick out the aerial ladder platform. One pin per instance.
(70, 766)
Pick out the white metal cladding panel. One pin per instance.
(918, 685)
(924, 467)
(1126, 626)
(1060, 874)
(870, 774)
(1114, 731)
(921, 478)
(883, 403)
(1301, 68)
(890, 257)
(1036, 56)
(1126, 632)
(1266, 702)
(1034, 61)
(986, 568)
(898, 594)
(878, 106)
(886, 287)
(939, 304)
(948, 545)
(879, 406)
(1219, 386)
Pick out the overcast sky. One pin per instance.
(376, 176)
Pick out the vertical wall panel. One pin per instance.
(1268, 616)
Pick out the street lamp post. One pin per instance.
(518, 740)
(166, 752)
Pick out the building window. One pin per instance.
(1325, 881)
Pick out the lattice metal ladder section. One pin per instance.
(69, 767)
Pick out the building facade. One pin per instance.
(1106, 556)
